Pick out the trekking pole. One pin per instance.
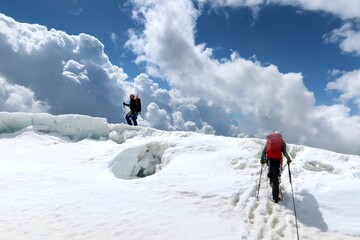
(292, 190)
(124, 113)
(139, 120)
(258, 190)
(124, 116)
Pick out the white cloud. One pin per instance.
(18, 98)
(158, 117)
(168, 109)
(233, 96)
(337, 129)
(335, 72)
(345, 9)
(49, 62)
(207, 129)
(191, 69)
(349, 86)
(75, 71)
(348, 37)
(114, 38)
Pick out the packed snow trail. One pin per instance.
(267, 220)
(263, 218)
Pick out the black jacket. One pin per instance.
(132, 105)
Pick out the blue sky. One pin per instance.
(234, 68)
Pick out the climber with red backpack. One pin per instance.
(272, 155)
(135, 109)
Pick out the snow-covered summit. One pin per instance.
(78, 177)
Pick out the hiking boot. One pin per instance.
(276, 199)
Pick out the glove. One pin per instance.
(123, 104)
(289, 160)
(262, 161)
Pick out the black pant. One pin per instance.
(133, 117)
(274, 175)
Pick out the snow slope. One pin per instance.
(76, 177)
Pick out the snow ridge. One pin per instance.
(78, 177)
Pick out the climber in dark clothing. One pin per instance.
(132, 114)
(272, 155)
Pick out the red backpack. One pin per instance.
(273, 146)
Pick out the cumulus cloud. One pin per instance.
(344, 9)
(233, 96)
(15, 98)
(242, 84)
(168, 109)
(75, 71)
(349, 87)
(344, 129)
(348, 37)
(71, 74)
(158, 117)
